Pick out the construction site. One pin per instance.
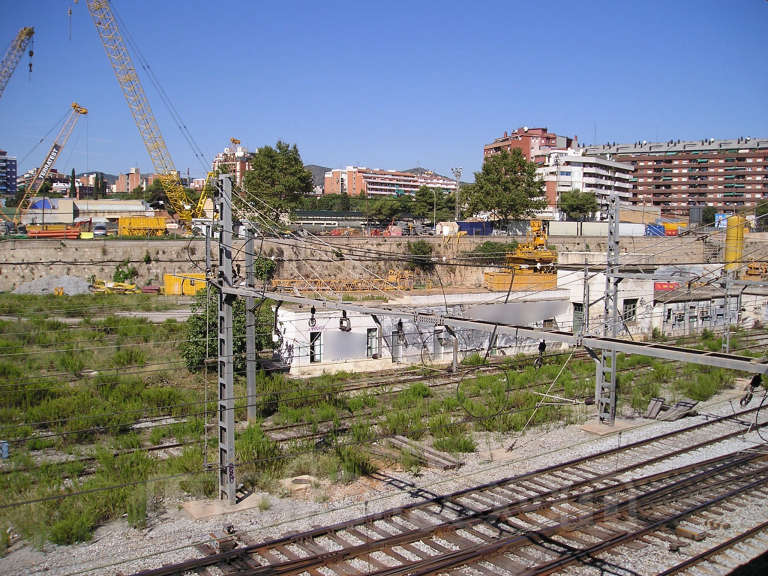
(217, 385)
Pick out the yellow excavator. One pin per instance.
(532, 266)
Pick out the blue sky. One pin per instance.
(390, 84)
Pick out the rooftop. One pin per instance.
(746, 144)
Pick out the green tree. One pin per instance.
(72, 188)
(578, 205)
(203, 323)
(507, 186)
(761, 216)
(708, 215)
(278, 177)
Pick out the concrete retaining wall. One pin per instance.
(25, 260)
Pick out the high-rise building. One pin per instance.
(128, 182)
(8, 169)
(534, 143)
(570, 169)
(675, 175)
(235, 160)
(356, 181)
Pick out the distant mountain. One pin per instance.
(421, 171)
(318, 173)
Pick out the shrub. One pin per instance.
(421, 255)
(124, 272)
(456, 443)
(492, 252)
(354, 463)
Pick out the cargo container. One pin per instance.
(630, 229)
(654, 230)
(563, 228)
(184, 283)
(141, 226)
(476, 228)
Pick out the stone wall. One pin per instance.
(25, 260)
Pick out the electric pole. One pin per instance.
(457, 175)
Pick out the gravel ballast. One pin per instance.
(171, 535)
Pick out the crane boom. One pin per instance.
(50, 159)
(13, 55)
(125, 72)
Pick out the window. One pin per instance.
(630, 309)
(315, 347)
(372, 343)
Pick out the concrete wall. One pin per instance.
(25, 260)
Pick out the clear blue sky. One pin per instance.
(390, 84)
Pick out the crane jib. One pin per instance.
(49, 162)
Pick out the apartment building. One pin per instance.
(128, 182)
(356, 181)
(235, 160)
(566, 170)
(8, 169)
(727, 174)
(534, 143)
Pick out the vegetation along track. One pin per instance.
(531, 523)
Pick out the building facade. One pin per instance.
(128, 182)
(8, 169)
(566, 170)
(675, 176)
(357, 181)
(534, 143)
(235, 160)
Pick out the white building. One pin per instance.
(567, 170)
(323, 342)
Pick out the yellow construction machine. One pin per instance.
(532, 266)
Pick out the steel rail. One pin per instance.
(450, 500)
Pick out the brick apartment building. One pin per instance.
(128, 182)
(356, 181)
(534, 143)
(235, 160)
(727, 174)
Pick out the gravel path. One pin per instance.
(170, 536)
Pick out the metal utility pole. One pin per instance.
(250, 329)
(457, 174)
(726, 342)
(605, 376)
(226, 416)
(585, 301)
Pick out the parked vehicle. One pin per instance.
(99, 230)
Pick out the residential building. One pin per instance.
(8, 168)
(534, 143)
(356, 181)
(128, 182)
(676, 175)
(566, 170)
(235, 160)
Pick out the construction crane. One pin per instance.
(13, 55)
(36, 183)
(125, 71)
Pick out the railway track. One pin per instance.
(532, 523)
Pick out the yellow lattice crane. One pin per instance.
(125, 71)
(13, 55)
(33, 188)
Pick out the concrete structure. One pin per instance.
(534, 143)
(315, 343)
(8, 168)
(128, 182)
(71, 210)
(356, 181)
(727, 174)
(570, 169)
